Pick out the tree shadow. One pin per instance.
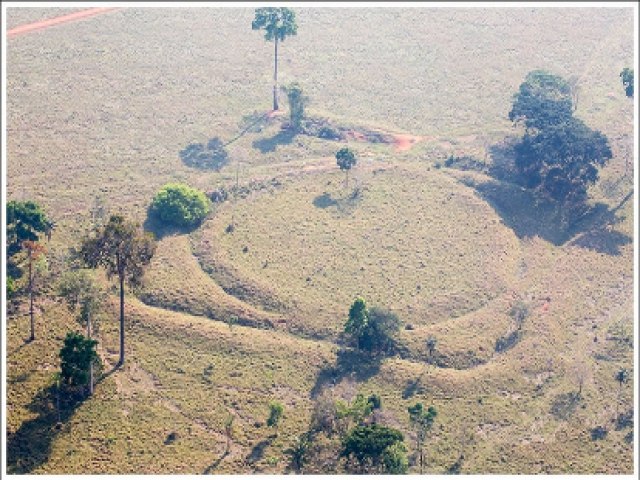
(30, 446)
(215, 464)
(324, 201)
(160, 229)
(266, 145)
(350, 363)
(257, 452)
(412, 387)
(529, 215)
(211, 156)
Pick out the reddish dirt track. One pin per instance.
(405, 142)
(50, 22)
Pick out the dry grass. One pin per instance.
(103, 107)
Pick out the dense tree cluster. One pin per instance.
(558, 155)
(372, 330)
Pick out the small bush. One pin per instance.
(11, 288)
(329, 133)
(180, 205)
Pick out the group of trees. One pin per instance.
(558, 156)
(371, 329)
(120, 246)
(366, 444)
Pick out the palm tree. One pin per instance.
(278, 24)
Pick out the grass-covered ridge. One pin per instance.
(229, 320)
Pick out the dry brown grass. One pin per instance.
(104, 106)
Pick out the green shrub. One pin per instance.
(180, 205)
(11, 288)
(76, 356)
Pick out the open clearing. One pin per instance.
(98, 112)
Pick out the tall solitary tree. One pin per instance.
(278, 23)
(124, 250)
(346, 159)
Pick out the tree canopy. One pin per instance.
(180, 205)
(25, 221)
(376, 449)
(278, 23)
(297, 102)
(76, 357)
(558, 155)
(543, 99)
(124, 250)
(562, 160)
(372, 329)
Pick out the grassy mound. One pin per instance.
(407, 238)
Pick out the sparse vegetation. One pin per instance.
(422, 421)
(627, 81)
(36, 265)
(228, 319)
(297, 103)
(276, 410)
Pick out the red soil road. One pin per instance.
(30, 27)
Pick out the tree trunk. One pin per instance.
(275, 77)
(121, 362)
(33, 325)
(58, 400)
(91, 364)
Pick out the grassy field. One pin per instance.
(99, 110)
